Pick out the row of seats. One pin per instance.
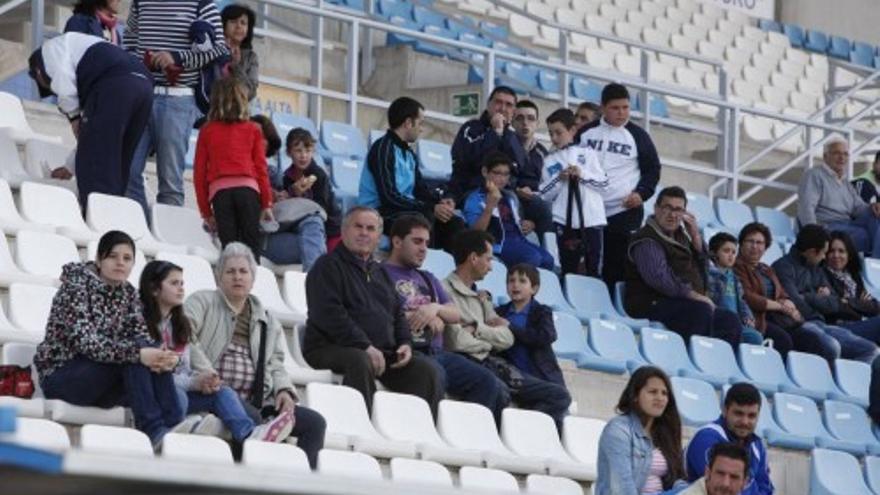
(817, 41)
(838, 473)
(732, 216)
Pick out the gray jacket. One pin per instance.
(213, 323)
(801, 281)
(823, 198)
(475, 309)
(247, 71)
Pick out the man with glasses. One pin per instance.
(525, 124)
(666, 266)
(826, 198)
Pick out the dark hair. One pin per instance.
(110, 240)
(562, 115)
(234, 11)
(719, 240)
(155, 272)
(742, 393)
(671, 192)
(853, 262)
(496, 158)
(504, 90)
(406, 223)
(528, 104)
(811, 236)
(300, 136)
(614, 91)
(589, 105)
(88, 7)
(529, 271)
(751, 228)
(730, 450)
(273, 141)
(401, 109)
(666, 431)
(470, 242)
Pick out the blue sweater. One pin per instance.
(697, 457)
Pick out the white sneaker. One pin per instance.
(274, 431)
(210, 425)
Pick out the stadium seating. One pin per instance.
(29, 307)
(835, 473)
(197, 273)
(697, 401)
(589, 298)
(293, 289)
(286, 122)
(773, 253)
(850, 423)
(277, 456)
(496, 283)
(714, 358)
(56, 206)
(43, 254)
(42, 157)
(733, 214)
(348, 465)
(436, 159)
(872, 473)
(484, 479)
(266, 289)
(342, 140)
(580, 436)
(571, 343)
(15, 122)
(853, 378)
(11, 273)
(184, 227)
(107, 212)
(667, 351)
(764, 367)
(439, 263)
(537, 484)
(211, 450)
(701, 207)
(41, 434)
(534, 434)
(798, 415)
(422, 472)
(10, 220)
(550, 292)
(811, 372)
(114, 440)
(615, 341)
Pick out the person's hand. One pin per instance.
(266, 215)
(211, 224)
(404, 355)
(527, 226)
(875, 209)
(302, 186)
(169, 360)
(788, 306)
(796, 315)
(437, 325)
(208, 382)
(866, 296)
(162, 59)
(498, 124)
(693, 229)
(74, 127)
(632, 200)
(493, 194)
(823, 291)
(421, 317)
(443, 212)
(235, 53)
(158, 360)
(572, 171)
(377, 360)
(749, 322)
(470, 328)
(61, 173)
(497, 321)
(284, 402)
(525, 192)
(696, 296)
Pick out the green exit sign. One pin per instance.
(465, 104)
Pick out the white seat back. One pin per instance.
(295, 292)
(41, 434)
(29, 306)
(41, 158)
(266, 290)
(196, 448)
(106, 212)
(343, 408)
(580, 436)
(348, 465)
(183, 226)
(539, 484)
(279, 456)
(114, 440)
(11, 168)
(424, 472)
(405, 417)
(466, 425)
(52, 205)
(494, 480)
(532, 433)
(43, 253)
(197, 273)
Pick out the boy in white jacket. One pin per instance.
(569, 161)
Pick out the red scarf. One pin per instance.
(108, 20)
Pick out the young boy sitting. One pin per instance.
(532, 326)
(494, 209)
(570, 162)
(725, 289)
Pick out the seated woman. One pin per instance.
(97, 351)
(199, 387)
(858, 309)
(244, 343)
(640, 449)
(775, 314)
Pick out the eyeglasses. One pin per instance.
(669, 210)
(499, 174)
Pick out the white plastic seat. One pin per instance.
(537, 484)
(40, 434)
(638, 18)
(628, 64)
(11, 273)
(266, 290)
(656, 37)
(43, 253)
(281, 457)
(599, 59)
(407, 418)
(569, 18)
(103, 439)
(348, 424)
(745, 89)
(665, 25)
(754, 75)
(10, 220)
(197, 273)
(786, 66)
(42, 157)
(67, 413)
(626, 30)
(782, 81)
(196, 448)
(736, 56)
(534, 434)
(678, 15)
(294, 292)
(610, 11)
(421, 472)
(106, 212)
(809, 87)
(802, 101)
(140, 261)
(548, 37)
(612, 47)
(57, 206)
(493, 480)
(183, 226)
(759, 129)
(298, 370)
(470, 426)
(348, 465)
(580, 436)
(13, 119)
(523, 26)
(34, 407)
(598, 23)
(774, 96)
(764, 62)
(541, 10)
(11, 168)
(29, 307)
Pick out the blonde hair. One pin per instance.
(229, 101)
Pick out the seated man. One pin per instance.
(428, 309)
(482, 334)
(666, 274)
(356, 324)
(826, 198)
(726, 473)
(392, 183)
(742, 405)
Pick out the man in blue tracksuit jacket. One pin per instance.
(742, 405)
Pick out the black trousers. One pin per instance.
(572, 250)
(617, 235)
(237, 213)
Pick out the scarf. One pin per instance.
(109, 20)
(849, 285)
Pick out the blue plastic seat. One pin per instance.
(584, 89)
(795, 34)
(342, 140)
(811, 373)
(346, 175)
(548, 81)
(839, 47)
(439, 263)
(862, 53)
(773, 253)
(872, 473)
(550, 292)
(436, 159)
(375, 134)
(836, 473)
(402, 39)
(733, 214)
(286, 122)
(769, 25)
(872, 275)
(571, 343)
(696, 400)
(427, 17)
(494, 29)
(850, 423)
(590, 299)
(701, 206)
(854, 379)
(474, 39)
(714, 357)
(778, 222)
(388, 8)
(614, 340)
(763, 366)
(799, 416)
(506, 47)
(657, 105)
(521, 74)
(434, 49)
(552, 247)
(667, 351)
(816, 41)
(496, 283)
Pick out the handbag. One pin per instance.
(505, 371)
(573, 241)
(289, 211)
(16, 381)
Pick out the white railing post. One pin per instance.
(488, 77)
(643, 94)
(37, 21)
(352, 82)
(317, 63)
(565, 78)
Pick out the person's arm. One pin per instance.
(649, 165)
(826, 305)
(809, 192)
(745, 313)
(755, 300)
(327, 313)
(539, 332)
(785, 272)
(615, 446)
(196, 59)
(381, 161)
(258, 155)
(481, 220)
(200, 172)
(551, 181)
(500, 337)
(650, 261)
(697, 452)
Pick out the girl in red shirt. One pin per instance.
(230, 175)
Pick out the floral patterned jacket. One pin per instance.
(91, 319)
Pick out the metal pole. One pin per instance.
(565, 82)
(489, 76)
(354, 48)
(644, 95)
(733, 161)
(37, 21)
(317, 79)
(367, 64)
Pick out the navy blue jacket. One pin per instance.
(89, 24)
(530, 173)
(539, 335)
(474, 141)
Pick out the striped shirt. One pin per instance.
(158, 25)
(654, 483)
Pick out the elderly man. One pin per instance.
(357, 325)
(828, 199)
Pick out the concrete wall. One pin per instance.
(855, 19)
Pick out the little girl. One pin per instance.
(229, 174)
(198, 385)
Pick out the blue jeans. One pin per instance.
(751, 336)
(224, 404)
(517, 249)
(470, 382)
(303, 242)
(863, 230)
(168, 132)
(152, 396)
(867, 329)
(851, 345)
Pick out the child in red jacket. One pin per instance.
(230, 174)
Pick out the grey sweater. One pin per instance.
(824, 198)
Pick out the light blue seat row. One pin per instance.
(436, 159)
(733, 214)
(550, 292)
(838, 473)
(614, 340)
(571, 343)
(439, 263)
(701, 206)
(496, 283)
(667, 351)
(764, 367)
(697, 401)
(339, 139)
(590, 299)
(799, 416)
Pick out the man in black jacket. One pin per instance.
(356, 324)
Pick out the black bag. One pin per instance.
(256, 398)
(505, 371)
(573, 241)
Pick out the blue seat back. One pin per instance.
(427, 17)
(570, 336)
(439, 263)
(811, 372)
(853, 377)
(436, 159)
(872, 271)
(589, 295)
(286, 122)
(550, 292)
(346, 175)
(795, 34)
(701, 207)
(341, 139)
(773, 253)
(714, 357)
(733, 214)
(521, 73)
(778, 222)
(798, 415)
(496, 282)
(496, 30)
(848, 422)
(388, 8)
(665, 350)
(585, 89)
(836, 473)
(769, 25)
(762, 364)
(839, 47)
(862, 53)
(375, 134)
(696, 400)
(613, 340)
(872, 473)
(474, 39)
(548, 81)
(816, 41)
